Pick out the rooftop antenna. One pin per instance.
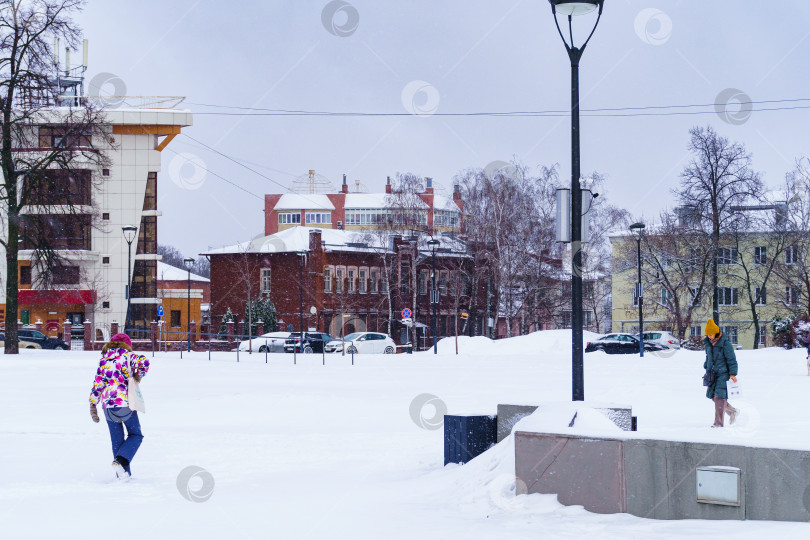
(84, 54)
(70, 81)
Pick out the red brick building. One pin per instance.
(342, 281)
(359, 211)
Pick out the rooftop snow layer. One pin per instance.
(167, 272)
(296, 201)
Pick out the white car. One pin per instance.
(272, 341)
(662, 338)
(364, 342)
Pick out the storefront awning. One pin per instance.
(56, 297)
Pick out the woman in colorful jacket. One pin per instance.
(110, 387)
(720, 359)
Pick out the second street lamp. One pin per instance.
(639, 292)
(189, 262)
(571, 9)
(434, 294)
(129, 235)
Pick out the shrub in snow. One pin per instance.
(783, 335)
(801, 331)
(223, 328)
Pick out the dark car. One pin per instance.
(313, 342)
(35, 336)
(621, 344)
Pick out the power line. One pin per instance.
(615, 112)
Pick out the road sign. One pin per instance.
(160, 310)
(406, 313)
(465, 315)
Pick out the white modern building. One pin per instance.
(92, 282)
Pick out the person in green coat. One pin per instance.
(720, 359)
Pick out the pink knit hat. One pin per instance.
(123, 338)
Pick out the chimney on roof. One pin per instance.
(345, 187)
(388, 184)
(357, 185)
(428, 184)
(456, 192)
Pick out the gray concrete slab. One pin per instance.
(587, 472)
(509, 415)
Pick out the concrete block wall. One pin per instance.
(657, 479)
(509, 415)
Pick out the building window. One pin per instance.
(727, 256)
(663, 297)
(695, 331)
(404, 279)
(362, 276)
(727, 296)
(63, 137)
(65, 275)
(105, 172)
(731, 333)
(761, 297)
(694, 297)
(352, 277)
(445, 218)
(289, 218)
(327, 279)
(443, 278)
(763, 339)
(760, 255)
(565, 319)
(792, 254)
(340, 273)
(175, 318)
(265, 282)
(318, 218)
(25, 275)
(424, 277)
(587, 317)
(375, 277)
(105, 260)
(791, 295)
(384, 283)
(105, 216)
(105, 305)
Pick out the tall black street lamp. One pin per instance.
(129, 235)
(571, 9)
(434, 293)
(302, 255)
(639, 292)
(189, 262)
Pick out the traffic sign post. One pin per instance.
(160, 310)
(406, 313)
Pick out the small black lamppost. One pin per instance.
(571, 9)
(639, 292)
(129, 235)
(434, 293)
(189, 262)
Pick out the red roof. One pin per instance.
(59, 297)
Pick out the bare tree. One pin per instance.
(794, 266)
(718, 177)
(48, 154)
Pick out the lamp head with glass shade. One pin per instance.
(189, 262)
(574, 7)
(637, 227)
(433, 244)
(129, 233)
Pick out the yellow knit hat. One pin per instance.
(711, 327)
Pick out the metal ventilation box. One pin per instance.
(719, 485)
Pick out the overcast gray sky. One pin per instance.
(465, 56)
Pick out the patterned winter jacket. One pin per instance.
(110, 385)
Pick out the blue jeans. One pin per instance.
(117, 418)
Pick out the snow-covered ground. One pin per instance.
(311, 451)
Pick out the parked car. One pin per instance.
(271, 342)
(312, 342)
(621, 344)
(364, 342)
(40, 339)
(22, 343)
(664, 339)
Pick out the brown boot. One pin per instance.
(719, 409)
(731, 412)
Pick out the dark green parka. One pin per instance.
(721, 359)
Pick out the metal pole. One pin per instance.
(209, 343)
(301, 297)
(577, 353)
(265, 351)
(433, 301)
(188, 310)
(129, 282)
(640, 302)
